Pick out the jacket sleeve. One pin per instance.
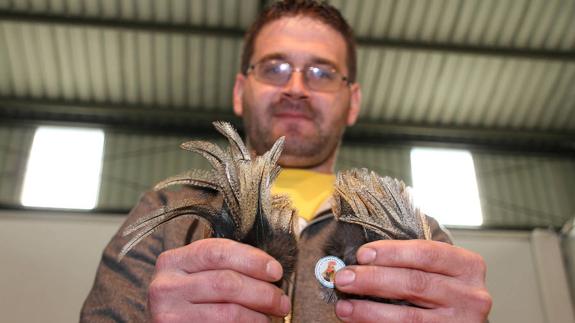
(119, 290)
(119, 293)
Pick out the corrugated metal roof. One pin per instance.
(506, 65)
(234, 13)
(467, 90)
(118, 66)
(534, 24)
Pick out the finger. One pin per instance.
(424, 289)
(226, 286)
(209, 254)
(367, 311)
(425, 255)
(209, 313)
(171, 290)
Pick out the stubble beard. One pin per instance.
(301, 148)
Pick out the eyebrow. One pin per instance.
(268, 57)
(323, 61)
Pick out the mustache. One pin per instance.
(302, 108)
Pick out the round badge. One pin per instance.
(325, 270)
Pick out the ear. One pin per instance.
(355, 103)
(239, 94)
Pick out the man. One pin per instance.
(298, 81)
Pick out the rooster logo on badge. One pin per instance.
(329, 273)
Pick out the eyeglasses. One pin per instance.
(317, 77)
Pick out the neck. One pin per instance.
(325, 167)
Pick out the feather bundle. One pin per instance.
(250, 214)
(367, 208)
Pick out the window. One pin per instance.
(445, 186)
(64, 168)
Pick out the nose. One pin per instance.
(296, 86)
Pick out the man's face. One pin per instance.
(312, 121)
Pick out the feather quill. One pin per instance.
(196, 177)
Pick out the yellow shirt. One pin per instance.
(307, 189)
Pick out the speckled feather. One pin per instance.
(367, 208)
(195, 177)
(381, 204)
(250, 213)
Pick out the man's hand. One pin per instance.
(447, 282)
(216, 280)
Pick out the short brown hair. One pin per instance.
(322, 11)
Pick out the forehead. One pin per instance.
(301, 40)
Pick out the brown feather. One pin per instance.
(367, 208)
(250, 213)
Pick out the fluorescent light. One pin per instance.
(64, 168)
(445, 185)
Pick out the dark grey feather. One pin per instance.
(367, 208)
(250, 213)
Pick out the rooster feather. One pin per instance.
(367, 208)
(250, 214)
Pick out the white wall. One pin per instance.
(568, 245)
(48, 264)
(525, 274)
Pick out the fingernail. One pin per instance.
(366, 255)
(343, 308)
(285, 304)
(274, 269)
(344, 277)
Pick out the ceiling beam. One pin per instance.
(97, 22)
(139, 118)
(184, 121)
(235, 32)
(475, 138)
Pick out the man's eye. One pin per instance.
(322, 74)
(275, 68)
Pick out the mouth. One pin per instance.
(287, 109)
(292, 115)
